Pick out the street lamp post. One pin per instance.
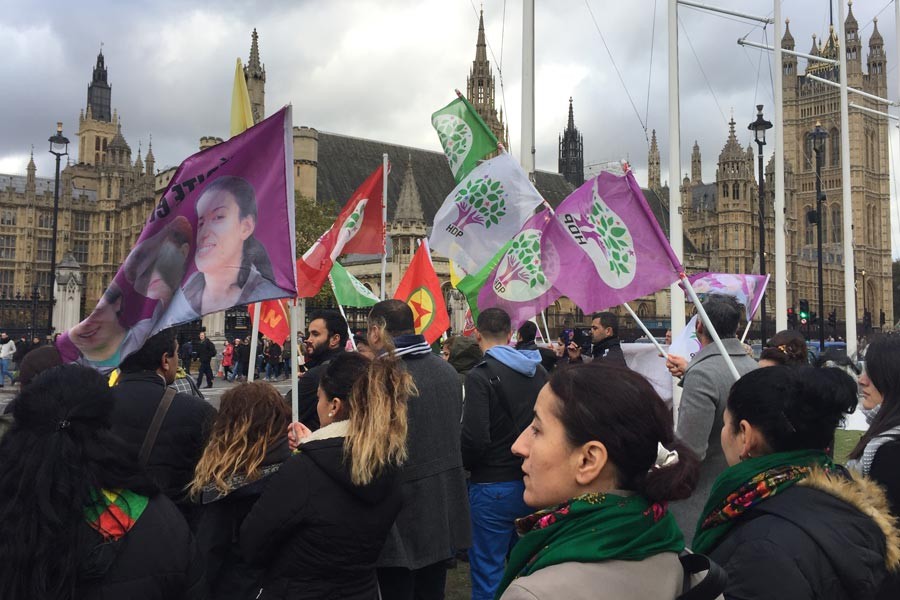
(865, 308)
(819, 136)
(59, 147)
(759, 127)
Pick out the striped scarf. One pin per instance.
(411, 345)
(112, 513)
(863, 464)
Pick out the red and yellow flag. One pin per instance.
(420, 288)
(275, 320)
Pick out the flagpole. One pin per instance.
(254, 337)
(747, 330)
(295, 355)
(384, 197)
(343, 314)
(526, 157)
(707, 325)
(546, 329)
(646, 331)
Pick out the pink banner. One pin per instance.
(747, 289)
(221, 235)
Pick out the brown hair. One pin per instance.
(252, 418)
(786, 348)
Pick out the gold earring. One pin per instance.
(331, 414)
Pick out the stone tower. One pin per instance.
(97, 124)
(571, 152)
(735, 207)
(100, 93)
(255, 74)
(696, 166)
(653, 175)
(480, 88)
(408, 225)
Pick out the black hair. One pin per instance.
(342, 373)
(724, 313)
(395, 316)
(494, 322)
(786, 348)
(882, 357)
(60, 451)
(795, 408)
(608, 319)
(334, 323)
(148, 357)
(527, 332)
(619, 408)
(254, 254)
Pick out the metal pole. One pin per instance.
(762, 239)
(854, 90)
(780, 245)
(295, 356)
(528, 150)
(846, 198)
(827, 61)
(254, 341)
(52, 298)
(384, 197)
(723, 11)
(819, 199)
(676, 239)
(34, 308)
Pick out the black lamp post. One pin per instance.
(866, 319)
(759, 127)
(59, 147)
(819, 135)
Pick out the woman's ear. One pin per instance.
(248, 225)
(751, 439)
(592, 459)
(337, 405)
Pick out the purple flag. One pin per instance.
(747, 289)
(221, 235)
(522, 282)
(609, 244)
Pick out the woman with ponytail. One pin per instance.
(324, 517)
(601, 461)
(783, 520)
(78, 519)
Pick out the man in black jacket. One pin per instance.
(500, 396)
(206, 350)
(605, 343)
(326, 340)
(182, 436)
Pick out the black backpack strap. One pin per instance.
(155, 425)
(710, 587)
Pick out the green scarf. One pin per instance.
(112, 513)
(591, 528)
(744, 485)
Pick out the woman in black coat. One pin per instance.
(247, 445)
(324, 517)
(78, 519)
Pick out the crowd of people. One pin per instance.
(555, 474)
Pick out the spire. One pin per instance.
(850, 21)
(815, 47)
(255, 75)
(696, 165)
(481, 45)
(409, 204)
(787, 40)
(99, 92)
(571, 115)
(253, 65)
(653, 175)
(138, 162)
(876, 40)
(480, 87)
(571, 152)
(30, 180)
(150, 161)
(732, 150)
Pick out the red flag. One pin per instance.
(275, 319)
(358, 229)
(420, 288)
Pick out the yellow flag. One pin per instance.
(456, 274)
(241, 115)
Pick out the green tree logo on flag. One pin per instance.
(456, 139)
(606, 239)
(354, 222)
(481, 201)
(521, 276)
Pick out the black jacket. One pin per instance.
(273, 354)
(886, 472)
(609, 351)
(157, 559)
(308, 388)
(489, 427)
(228, 575)
(811, 541)
(206, 350)
(181, 438)
(317, 534)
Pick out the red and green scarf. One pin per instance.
(744, 485)
(112, 513)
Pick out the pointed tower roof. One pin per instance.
(409, 204)
(850, 21)
(787, 40)
(254, 67)
(876, 39)
(571, 124)
(732, 149)
(815, 47)
(150, 157)
(118, 142)
(481, 45)
(138, 162)
(654, 148)
(31, 168)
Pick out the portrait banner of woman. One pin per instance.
(221, 235)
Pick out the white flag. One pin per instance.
(484, 212)
(687, 344)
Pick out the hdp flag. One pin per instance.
(221, 235)
(609, 244)
(420, 288)
(465, 137)
(359, 229)
(746, 289)
(471, 285)
(522, 283)
(487, 208)
(275, 320)
(348, 290)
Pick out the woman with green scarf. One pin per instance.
(601, 454)
(783, 520)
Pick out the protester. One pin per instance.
(362, 346)
(500, 392)
(186, 354)
(801, 528)
(244, 359)
(463, 354)
(273, 361)
(705, 386)
(605, 343)
(146, 375)
(206, 351)
(525, 340)
(7, 351)
(247, 445)
(324, 517)
(786, 347)
(78, 519)
(602, 461)
(227, 360)
(434, 520)
(34, 363)
(325, 342)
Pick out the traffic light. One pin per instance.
(792, 318)
(804, 311)
(832, 319)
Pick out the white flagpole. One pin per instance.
(676, 239)
(746, 330)
(384, 198)
(781, 304)
(847, 199)
(546, 329)
(707, 326)
(251, 368)
(295, 355)
(343, 314)
(646, 331)
(527, 154)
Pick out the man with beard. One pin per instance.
(326, 340)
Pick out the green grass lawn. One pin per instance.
(843, 444)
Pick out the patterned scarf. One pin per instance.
(411, 345)
(741, 487)
(112, 513)
(591, 528)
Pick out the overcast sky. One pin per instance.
(378, 69)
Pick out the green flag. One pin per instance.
(465, 137)
(348, 290)
(471, 285)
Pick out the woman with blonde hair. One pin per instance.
(247, 445)
(322, 521)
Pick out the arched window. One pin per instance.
(725, 190)
(836, 223)
(835, 139)
(808, 154)
(736, 191)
